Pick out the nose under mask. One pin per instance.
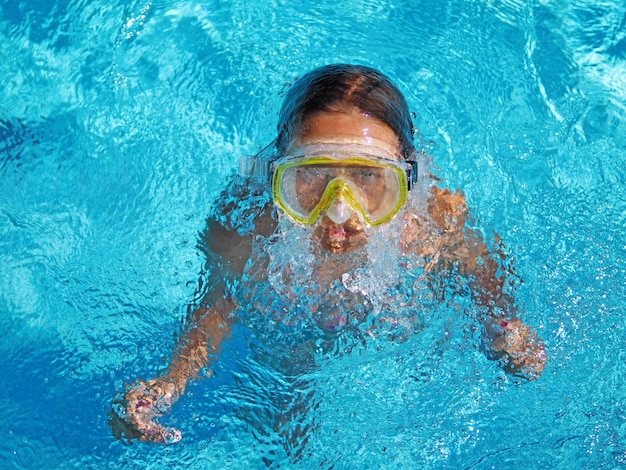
(339, 212)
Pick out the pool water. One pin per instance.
(120, 123)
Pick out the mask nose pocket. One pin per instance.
(339, 212)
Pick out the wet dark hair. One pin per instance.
(341, 87)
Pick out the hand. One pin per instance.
(133, 416)
(522, 352)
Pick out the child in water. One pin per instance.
(342, 171)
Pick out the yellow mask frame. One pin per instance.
(341, 189)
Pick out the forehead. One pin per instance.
(339, 127)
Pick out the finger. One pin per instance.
(170, 436)
(154, 432)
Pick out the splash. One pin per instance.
(295, 287)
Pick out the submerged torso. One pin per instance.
(294, 291)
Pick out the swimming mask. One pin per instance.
(335, 178)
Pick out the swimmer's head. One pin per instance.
(345, 89)
(343, 133)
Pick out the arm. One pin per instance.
(146, 400)
(208, 326)
(507, 338)
(480, 265)
(200, 345)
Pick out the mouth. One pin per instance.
(337, 232)
(340, 238)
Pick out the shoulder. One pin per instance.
(242, 211)
(435, 230)
(244, 207)
(447, 208)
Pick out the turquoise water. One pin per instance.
(119, 124)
